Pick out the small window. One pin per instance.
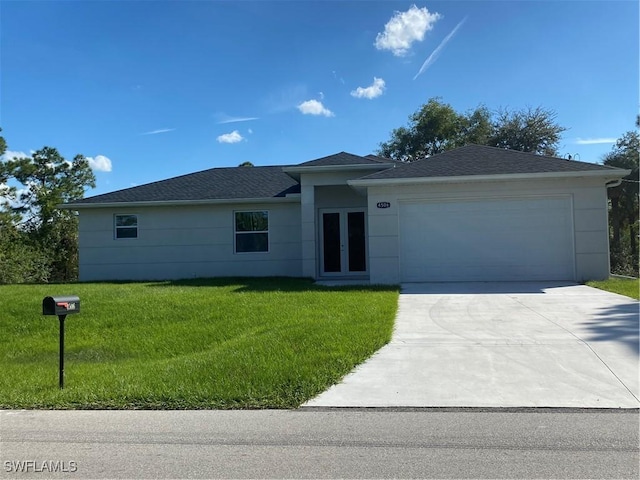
(252, 231)
(126, 226)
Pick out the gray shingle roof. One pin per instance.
(344, 158)
(381, 159)
(272, 182)
(483, 160)
(213, 184)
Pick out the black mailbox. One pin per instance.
(60, 305)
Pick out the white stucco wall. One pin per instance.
(339, 196)
(197, 241)
(186, 242)
(589, 201)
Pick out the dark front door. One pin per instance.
(343, 242)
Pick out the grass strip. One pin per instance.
(629, 287)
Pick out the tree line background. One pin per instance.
(39, 241)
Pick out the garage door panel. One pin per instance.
(487, 240)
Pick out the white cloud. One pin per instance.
(314, 107)
(4, 192)
(233, 137)
(223, 118)
(10, 155)
(160, 130)
(100, 163)
(250, 131)
(10, 196)
(372, 91)
(594, 141)
(404, 28)
(436, 53)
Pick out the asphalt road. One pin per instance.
(379, 443)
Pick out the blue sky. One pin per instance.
(153, 89)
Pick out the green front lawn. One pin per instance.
(217, 343)
(623, 286)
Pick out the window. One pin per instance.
(252, 231)
(126, 226)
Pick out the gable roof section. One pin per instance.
(481, 160)
(213, 184)
(382, 159)
(344, 159)
(340, 162)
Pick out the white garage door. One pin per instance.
(486, 240)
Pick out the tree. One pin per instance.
(48, 180)
(246, 164)
(530, 130)
(624, 211)
(19, 261)
(434, 128)
(5, 190)
(3, 144)
(437, 127)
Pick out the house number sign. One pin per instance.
(383, 205)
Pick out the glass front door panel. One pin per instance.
(356, 235)
(331, 242)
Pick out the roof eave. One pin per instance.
(290, 198)
(605, 174)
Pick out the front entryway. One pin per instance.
(342, 242)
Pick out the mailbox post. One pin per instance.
(61, 306)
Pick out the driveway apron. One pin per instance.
(501, 345)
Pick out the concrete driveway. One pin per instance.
(501, 345)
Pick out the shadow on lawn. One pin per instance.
(267, 284)
(619, 323)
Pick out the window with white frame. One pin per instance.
(251, 231)
(126, 226)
